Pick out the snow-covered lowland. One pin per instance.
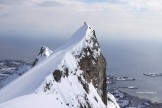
(73, 76)
(12, 69)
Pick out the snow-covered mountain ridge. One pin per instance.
(72, 76)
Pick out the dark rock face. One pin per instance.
(39, 54)
(94, 69)
(97, 74)
(35, 62)
(57, 75)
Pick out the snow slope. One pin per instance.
(57, 81)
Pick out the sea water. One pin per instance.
(132, 58)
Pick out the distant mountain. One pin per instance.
(11, 69)
(73, 76)
(43, 54)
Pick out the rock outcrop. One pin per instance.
(94, 67)
(43, 54)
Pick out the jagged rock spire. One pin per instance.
(43, 53)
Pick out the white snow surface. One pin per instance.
(31, 90)
(112, 103)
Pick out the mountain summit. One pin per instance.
(73, 76)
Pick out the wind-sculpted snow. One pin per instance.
(72, 76)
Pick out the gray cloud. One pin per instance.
(4, 15)
(10, 1)
(111, 17)
(49, 4)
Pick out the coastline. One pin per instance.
(126, 100)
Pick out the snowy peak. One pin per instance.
(84, 67)
(80, 34)
(74, 76)
(43, 53)
(84, 34)
(84, 39)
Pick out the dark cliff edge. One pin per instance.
(94, 69)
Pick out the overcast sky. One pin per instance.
(110, 18)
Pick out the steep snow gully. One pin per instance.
(73, 76)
